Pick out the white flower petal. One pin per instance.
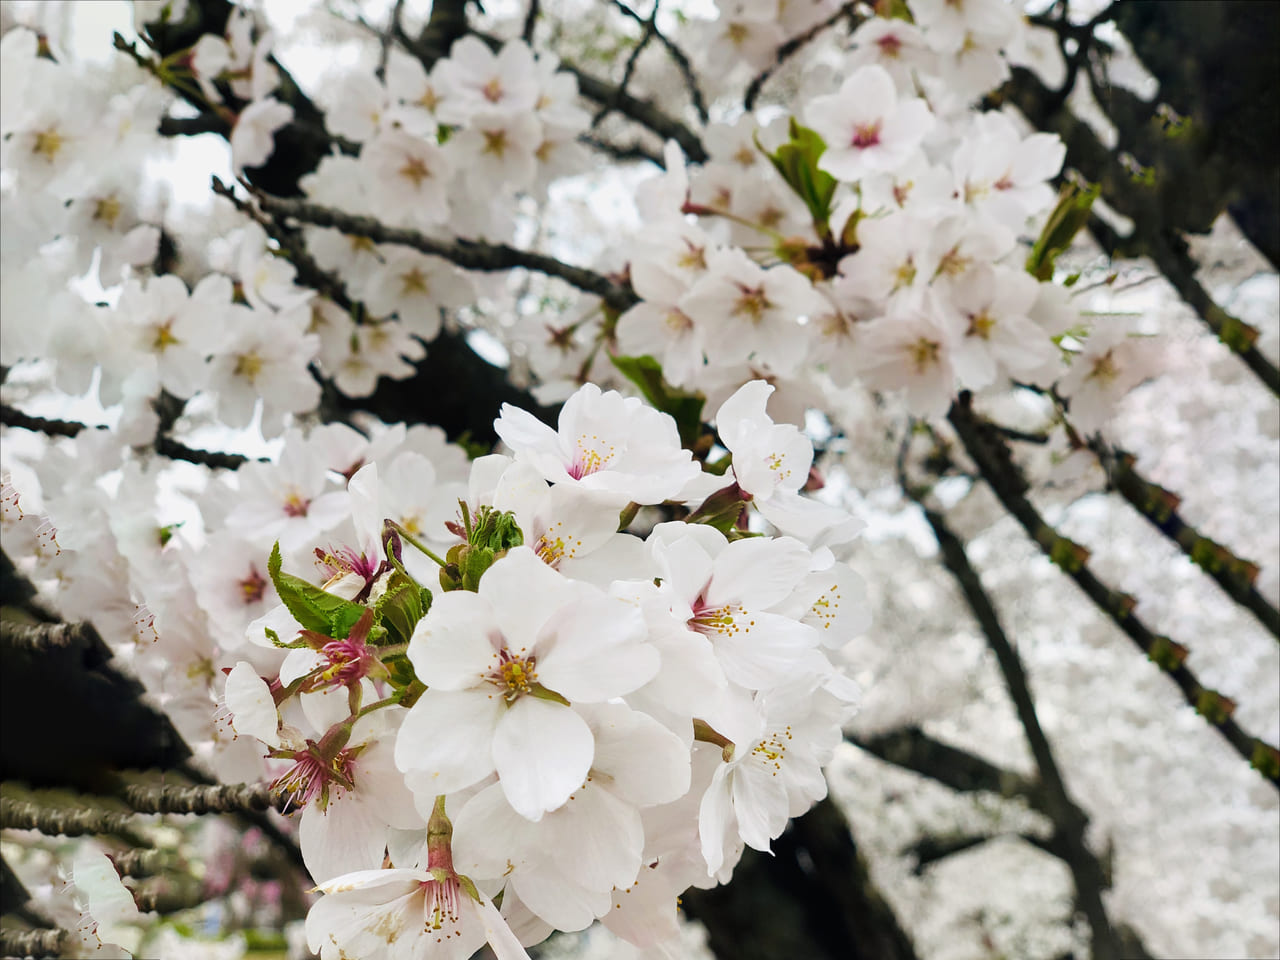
(542, 752)
(445, 740)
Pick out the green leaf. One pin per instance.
(721, 510)
(400, 607)
(681, 405)
(496, 530)
(1067, 219)
(475, 561)
(314, 608)
(797, 163)
(277, 642)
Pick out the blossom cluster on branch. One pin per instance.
(523, 691)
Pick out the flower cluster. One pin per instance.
(566, 718)
(565, 682)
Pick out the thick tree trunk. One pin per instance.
(812, 899)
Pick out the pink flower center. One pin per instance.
(310, 776)
(440, 908)
(890, 45)
(865, 135)
(296, 506)
(252, 587)
(348, 661)
(591, 455)
(724, 620)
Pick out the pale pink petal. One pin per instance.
(646, 763)
(457, 643)
(342, 838)
(497, 933)
(596, 839)
(524, 592)
(489, 837)
(592, 650)
(759, 571)
(713, 820)
(542, 751)
(445, 740)
(253, 711)
(559, 901)
(760, 803)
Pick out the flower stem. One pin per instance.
(390, 701)
(415, 542)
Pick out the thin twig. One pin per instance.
(677, 55)
(1082, 34)
(166, 446)
(307, 270)
(628, 70)
(791, 47)
(385, 39)
(1172, 259)
(1022, 436)
(631, 151)
(261, 819)
(593, 88)
(530, 22)
(194, 126)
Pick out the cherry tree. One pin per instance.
(675, 479)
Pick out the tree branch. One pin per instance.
(814, 898)
(42, 636)
(793, 46)
(13, 417)
(1147, 206)
(169, 893)
(164, 444)
(139, 863)
(261, 819)
(650, 28)
(677, 55)
(217, 798)
(194, 126)
(1068, 818)
(1171, 257)
(530, 22)
(913, 749)
(33, 943)
(1082, 35)
(1235, 576)
(988, 450)
(469, 254)
(642, 112)
(25, 815)
(929, 850)
(18, 592)
(632, 151)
